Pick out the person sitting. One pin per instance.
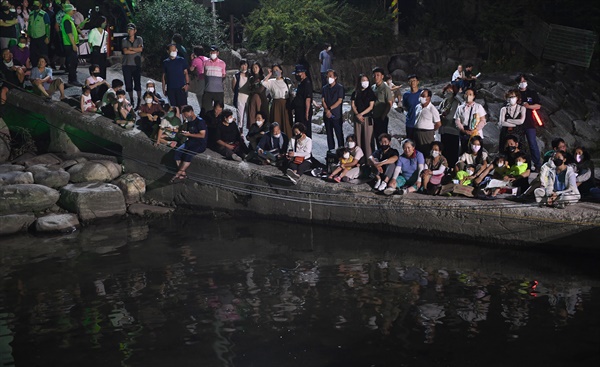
(299, 153)
(465, 177)
(407, 174)
(273, 146)
(196, 142)
(511, 152)
(229, 140)
(458, 77)
(499, 178)
(434, 170)
(470, 80)
(41, 78)
(358, 161)
(477, 155)
(21, 52)
(150, 114)
(584, 166)
(109, 103)
(383, 161)
(169, 129)
(345, 160)
(560, 185)
(14, 74)
(85, 101)
(213, 119)
(558, 144)
(125, 115)
(151, 87)
(98, 86)
(256, 131)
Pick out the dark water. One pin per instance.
(200, 291)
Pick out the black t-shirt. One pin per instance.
(228, 133)
(10, 75)
(363, 98)
(382, 156)
(531, 97)
(510, 158)
(304, 91)
(8, 32)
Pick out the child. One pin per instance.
(519, 167)
(500, 176)
(168, 133)
(464, 177)
(342, 169)
(125, 113)
(85, 101)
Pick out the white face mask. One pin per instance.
(500, 165)
(148, 100)
(435, 153)
(523, 85)
(470, 172)
(351, 144)
(121, 100)
(422, 100)
(329, 48)
(260, 122)
(475, 148)
(229, 120)
(519, 163)
(330, 80)
(346, 155)
(364, 85)
(151, 89)
(213, 56)
(578, 158)
(512, 101)
(470, 98)
(173, 54)
(277, 136)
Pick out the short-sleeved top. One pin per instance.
(10, 75)
(426, 117)
(37, 74)
(435, 166)
(410, 101)
(304, 91)
(174, 70)
(132, 59)
(477, 159)
(531, 97)
(229, 133)
(152, 109)
(357, 153)
(410, 165)
(384, 95)
(198, 64)
(326, 60)
(195, 127)
(277, 88)
(11, 31)
(468, 115)
(331, 94)
(362, 100)
(214, 72)
(97, 38)
(21, 54)
(381, 156)
(109, 97)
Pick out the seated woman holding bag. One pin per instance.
(299, 153)
(435, 168)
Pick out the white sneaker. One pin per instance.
(382, 186)
(377, 183)
(401, 191)
(236, 158)
(292, 174)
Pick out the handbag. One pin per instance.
(298, 159)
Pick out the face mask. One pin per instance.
(365, 85)
(330, 80)
(277, 74)
(259, 122)
(229, 120)
(121, 100)
(103, 25)
(422, 100)
(22, 45)
(277, 136)
(170, 114)
(19, 11)
(435, 153)
(298, 78)
(151, 89)
(578, 158)
(557, 162)
(500, 165)
(346, 155)
(519, 163)
(511, 149)
(523, 85)
(12, 10)
(470, 98)
(8, 64)
(213, 56)
(149, 100)
(470, 172)
(36, 7)
(173, 54)
(475, 148)
(351, 144)
(384, 146)
(298, 136)
(329, 48)
(512, 101)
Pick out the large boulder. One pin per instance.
(51, 176)
(133, 186)
(14, 223)
(92, 200)
(145, 210)
(16, 177)
(4, 141)
(103, 171)
(48, 159)
(11, 167)
(25, 198)
(57, 223)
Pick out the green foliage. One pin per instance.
(291, 29)
(158, 20)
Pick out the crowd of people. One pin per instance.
(442, 152)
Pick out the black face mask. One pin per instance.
(384, 146)
(557, 162)
(298, 77)
(298, 136)
(511, 149)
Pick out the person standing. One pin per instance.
(98, 38)
(363, 100)
(449, 132)
(39, 31)
(214, 74)
(302, 102)
(383, 104)
(8, 24)
(197, 82)
(175, 78)
(70, 38)
(326, 60)
(469, 119)
(132, 47)
(279, 90)
(410, 101)
(531, 102)
(427, 122)
(333, 97)
(241, 91)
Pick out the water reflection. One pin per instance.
(222, 292)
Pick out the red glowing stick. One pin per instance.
(537, 118)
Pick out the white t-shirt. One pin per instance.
(278, 88)
(426, 117)
(468, 115)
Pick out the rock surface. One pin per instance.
(25, 198)
(56, 223)
(51, 176)
(93, 200)
(48, 159)
(133, 186)
(14, 223)
(16, 177)
(145, 210)
(103, 171)
(11, 168)
(4, 141)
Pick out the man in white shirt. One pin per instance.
(427, 122)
